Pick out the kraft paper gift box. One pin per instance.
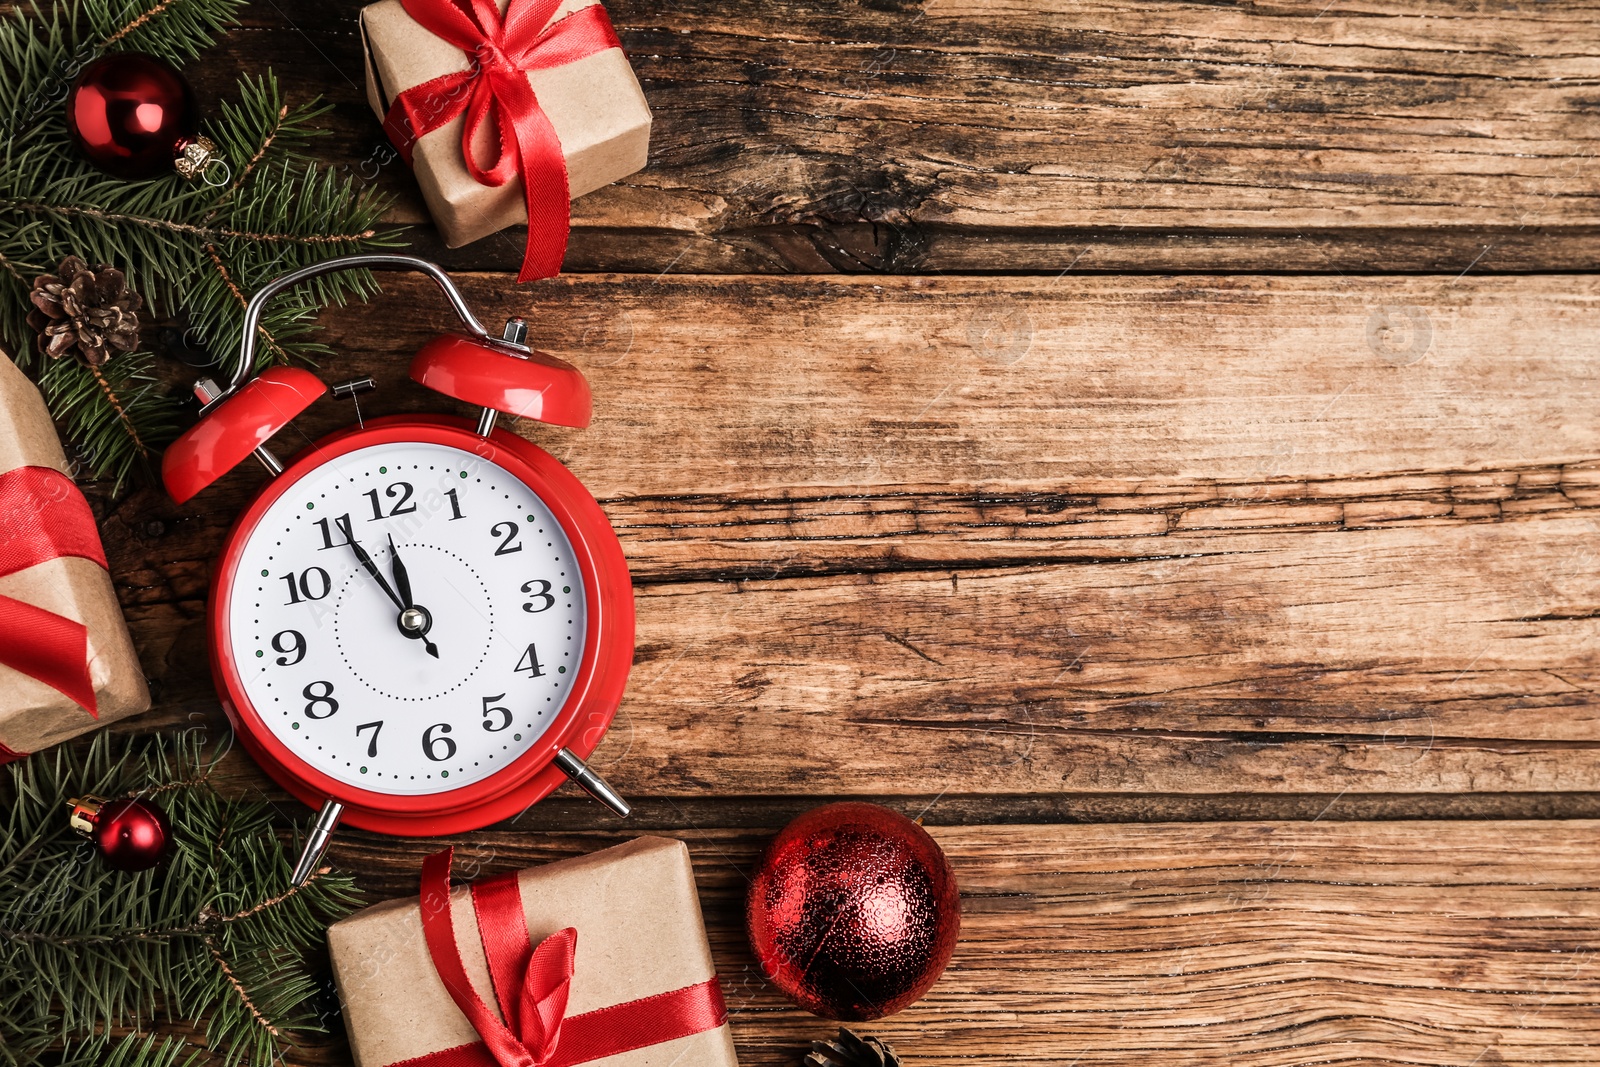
(67, 664)
(594, 104)
(639, 935)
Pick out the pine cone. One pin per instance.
(850, 1049)
(90, 314)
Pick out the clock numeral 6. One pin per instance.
(372, 746)
(313, 584)
(510, 535)
(296, 647)
(314, 699)
(488, 710)
(543, 594)
(432, 746)
(403, 506)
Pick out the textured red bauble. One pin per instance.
(132, 115)
(853, 912)
(130, 835)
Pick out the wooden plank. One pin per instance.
(1248, 534)
(957, 135)
(1240, 944)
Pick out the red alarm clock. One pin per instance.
(420, 624)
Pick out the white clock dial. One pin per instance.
(319, 645)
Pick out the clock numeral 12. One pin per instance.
(372, 746)
(302, 590)
(530, 663)
(401, 507)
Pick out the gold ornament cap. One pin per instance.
(195, 157)
(85, 813)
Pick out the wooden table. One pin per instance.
(1155, 444)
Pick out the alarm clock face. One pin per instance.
(441, 668)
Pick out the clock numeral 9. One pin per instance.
(401, 506)
(372, 746)
(543, 594)
(432, 745)
(488, 710)
(304, 588)
(314, 699)
(296, 648)
(510, 535)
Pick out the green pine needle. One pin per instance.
(195, 251)
(215, 938)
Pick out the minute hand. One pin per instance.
(371, 567)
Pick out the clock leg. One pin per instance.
(317, 843)
(590, 782)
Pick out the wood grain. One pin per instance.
(1146, 536)
(972, 135)
(1254, 943)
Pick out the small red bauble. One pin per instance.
(132, 115)
(130, 835)
(853, 912)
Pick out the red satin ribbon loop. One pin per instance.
(531, 984)
(45, 517)
(495, 90)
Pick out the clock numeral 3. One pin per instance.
(342, 524)
(306, 588)
(372, 746)
(506, 547)
(488, 710)
(401, 507)
(296, 648)
(530, 663)
(432, 746)
(543, 594)
(314, 699)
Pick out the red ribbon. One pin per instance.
(45, 517)
(495, 88)
(531, 985)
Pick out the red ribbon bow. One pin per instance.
(531, 986)
(45, 517)
(495, 87)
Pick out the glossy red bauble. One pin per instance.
(131, 115)
(853, 912)
(130, 835)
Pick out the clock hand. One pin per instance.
(403, 580)
(371, 567)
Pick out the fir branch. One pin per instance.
(193, 251)
(217, 936)
(207, 233)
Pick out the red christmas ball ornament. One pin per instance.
(135, 117)
(853, 912)
(130, 835)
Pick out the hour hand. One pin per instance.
(414, 621)
(402, 580)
